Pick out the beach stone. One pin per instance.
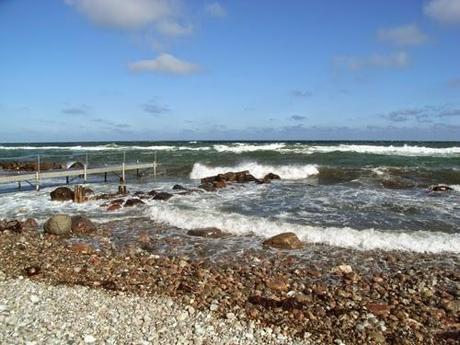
(162, 196)
(206, 232)
(58, 225)
(133, 202)
(277, 284)
(30, 224)
(342, 269)
(378, 309)
(62, 194)
(286, 240)
(83, 248)
(82, 225)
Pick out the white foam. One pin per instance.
(289, 172)
(418, 241)
(405, 150)
(109, 147)
(455, 187)
(241, 147)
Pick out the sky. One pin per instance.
(111, 70)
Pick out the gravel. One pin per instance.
(37, 313)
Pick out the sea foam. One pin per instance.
(289, 172)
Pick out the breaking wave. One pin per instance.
(289, 172)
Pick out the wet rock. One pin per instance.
(440, 188)
(82, 225)
(211, 183)
(114, 207)
(11, 225)
(133, 202)
(179, 187)
(162, 196)
(286, 240)
(206, 232)
(58, 225)
(62, 194)
(271, 176)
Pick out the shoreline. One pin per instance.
(331, 293)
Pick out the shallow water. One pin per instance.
(357, 195)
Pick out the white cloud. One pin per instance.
(406, 35)
(165, 63)
(396, 60)
(134, 14)
(444, 11)
(171, 28)
(215, 9)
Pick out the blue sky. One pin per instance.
(170, 69)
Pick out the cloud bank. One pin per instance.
(164, 63)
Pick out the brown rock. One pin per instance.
(378, 309)
(113, 207)
(32, 270)
(83, 248)
(162, 196)
(206, 232)
(30, 224)
(62, 194)
(277, 284)
(82, 225)
(286, 240)
(272, 176)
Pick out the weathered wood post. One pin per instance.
(85, 176)
(122, 186)
(154, 165)
(123, 168)
(79, 194)
(37, 175)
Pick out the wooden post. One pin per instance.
(123, 177)
(19, 185)
(37, 176)
(79, 194)
(67, 180)
(85, 176)
(105, 177)
(155, 166)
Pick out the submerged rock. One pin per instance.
(206, 232)
(62, 194)
(82, 226)
(179, 187)
(286, 240)
(58, 225)
(271, 176)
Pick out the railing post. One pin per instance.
(123, 168)
(37, 175)
(85, 176)
(154, 165)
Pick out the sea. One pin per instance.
(362, 195)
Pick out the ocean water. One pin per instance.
(365, 195)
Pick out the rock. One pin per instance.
(179, 187)
(30, 224)
(133, 202)
(277, 284)
(32, 271)
(62, 194)
(113, 207)
(89, 339)
(81, 247)
(271, 176)
(286, 240)
(82, 225)
(342, 269)
(11, 225)
(440, 188)
(58, 225)
(209, 187)
(162, 196)
(211, 183)
(378, 309)
(206, 232)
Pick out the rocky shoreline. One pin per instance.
(317, 294)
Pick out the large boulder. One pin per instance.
(286, 240)
(62, 194)
(82, 226)
(60, 224)
(211, 183)
(271, 176)
(206, 232)
(440, 188)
